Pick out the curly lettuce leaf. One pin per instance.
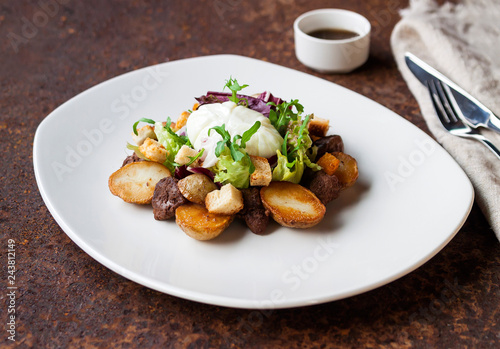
(294, 154)
(171, 141)
(229, 171)
(288, 171)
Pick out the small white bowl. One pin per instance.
(332, 56)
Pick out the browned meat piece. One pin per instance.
(329, 144)
(131, 158)
(325, 187)
(166, 199)
(253, 212)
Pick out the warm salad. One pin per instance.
(235, 155)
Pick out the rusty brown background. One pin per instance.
(67, 299)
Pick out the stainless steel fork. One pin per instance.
(450, 117)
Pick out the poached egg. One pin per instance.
(237, 119)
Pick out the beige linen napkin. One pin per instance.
(462, 41)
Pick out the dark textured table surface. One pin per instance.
(52, 50)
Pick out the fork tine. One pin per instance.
(438, 104)
(445, 100)
(451, 105)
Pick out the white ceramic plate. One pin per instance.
(410, 200)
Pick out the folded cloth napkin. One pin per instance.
(462, 41)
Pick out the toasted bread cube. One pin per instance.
(181, 121)
(195, 106)
(153, 150)
(182, 157)
(228, 200)
(262, 175)
(318, 127)
(329, 163)
(144, 132)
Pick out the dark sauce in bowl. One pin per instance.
(333, 34)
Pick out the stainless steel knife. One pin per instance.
(473, 111)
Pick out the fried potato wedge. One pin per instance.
(347, 172)
(292, 205)
(195, 187)
(135, 182)
(198, 223)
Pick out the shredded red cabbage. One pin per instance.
(255, 103)
(203, 170)
(181, 172)
(273, 160)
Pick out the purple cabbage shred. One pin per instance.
(258, 103)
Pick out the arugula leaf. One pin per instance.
(235, 149)
(234, 86)
(285, 144)
(284, 113)
(236, 154)
(196, 157)
(226, 137)
(134, 127)
(248, 134)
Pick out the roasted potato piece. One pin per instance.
(135, 182)
(292, 205)
(347, 172)
(198, 223)
(195, 187)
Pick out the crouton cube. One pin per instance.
(262, 175)
(318, 127)
(195, 106)
(144, 132)
(329, 163)
(153, 150)
(182, 157)
(181, 121)
(228, 200)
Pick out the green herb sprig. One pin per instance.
(134, 127)
(180, 139)
(236, 149)
(284, 113)
(235, 87)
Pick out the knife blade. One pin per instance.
(473, 111)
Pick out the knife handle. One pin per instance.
(493, 123)
(490, 146)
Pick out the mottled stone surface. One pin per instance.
(67, 299)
